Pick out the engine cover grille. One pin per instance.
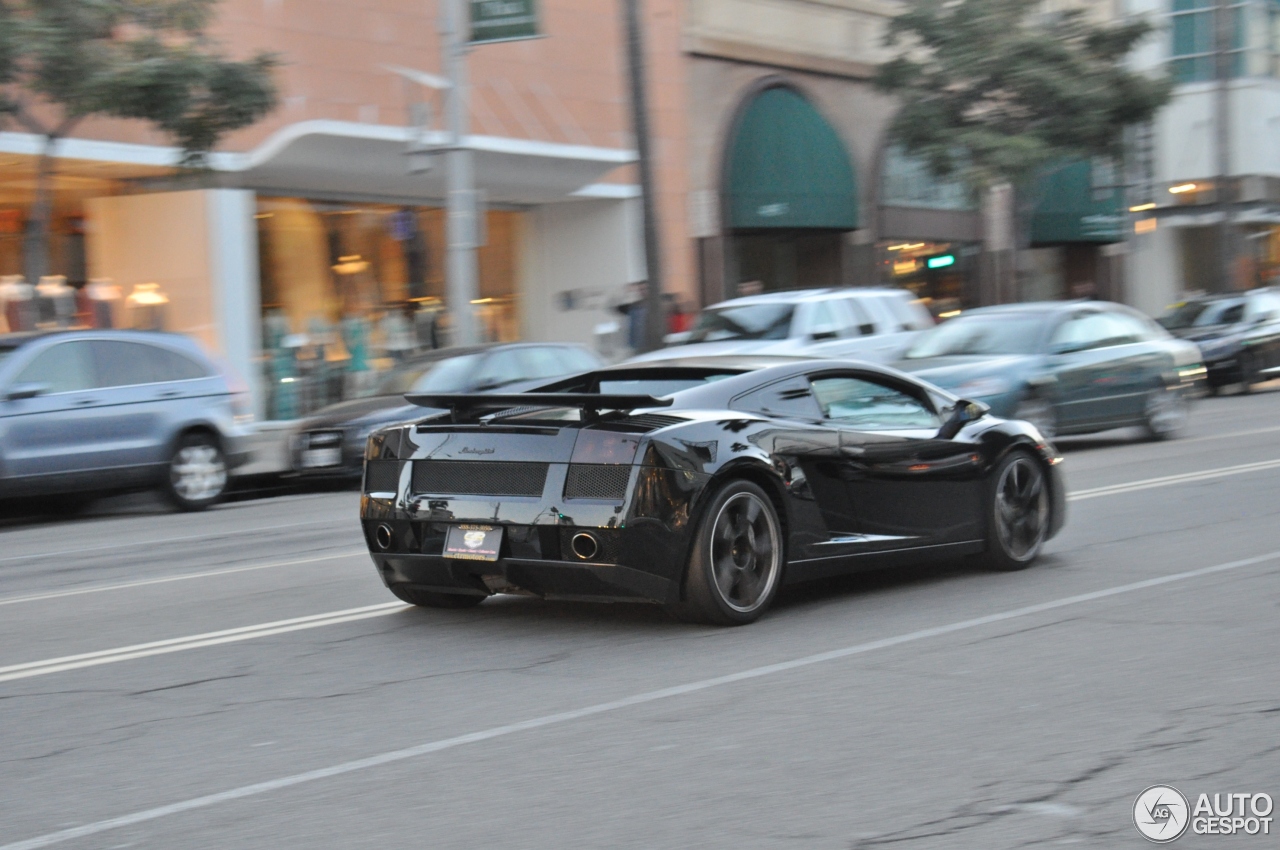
(596, 481)
(479, 477)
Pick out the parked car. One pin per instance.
(1238, 335)
(330, 442)
(86, 412)
(1066, 367)
(702, 484)
(875, 325)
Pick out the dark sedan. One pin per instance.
(330, 442)
(1068, 367)
(701, 484)
(1238, 335)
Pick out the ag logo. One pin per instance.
(1161, 814)
(473, 539)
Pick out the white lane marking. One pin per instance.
(614, 705)
(124, 585)
(1166, 480)
(164, 540)
(163, 647)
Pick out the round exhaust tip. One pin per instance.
(585, 546)
(382, 536)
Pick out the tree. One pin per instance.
(994, 91)
(62, 61)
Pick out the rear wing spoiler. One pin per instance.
(461, 404)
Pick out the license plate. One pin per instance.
(313, 458)
(473, 542)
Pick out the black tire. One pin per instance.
(432, 599)
(736, 560)
(1017, 512)
(196, 475)
(1165, 413)
(1249, 373)
(1040, 412)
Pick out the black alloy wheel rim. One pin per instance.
(1022, 509)
(745, 552)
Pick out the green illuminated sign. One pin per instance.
(503, 20)
(941, 262)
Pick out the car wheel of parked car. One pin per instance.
(197, 475)
(736, 561)
(1017, 513)
(1040, 413)
(432, 599)
(1249, 374)
(1166, 413)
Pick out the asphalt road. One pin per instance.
(241, 679)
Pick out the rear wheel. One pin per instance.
(1166, 413)
(736, 561)
(197, 474)
(1040, 413)
(1017, 513)
(432, 599)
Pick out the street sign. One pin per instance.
(503, 20)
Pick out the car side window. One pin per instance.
(823, 322)
(124, 364)
(862, 321)
(501, 368)
(1127, 328)
(579, 360)
(65, 368)
(1080, 333)
(545, 361)
(867, 405)
(792, 398)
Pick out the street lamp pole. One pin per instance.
(461, 229)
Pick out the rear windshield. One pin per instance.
(976, 333)
(743, 321)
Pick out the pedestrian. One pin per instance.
(635, 310)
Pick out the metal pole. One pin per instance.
(460, 219)
(1222, 38)
(654, 324)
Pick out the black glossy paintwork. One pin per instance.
(846, 498)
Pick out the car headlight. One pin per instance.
(983, 388)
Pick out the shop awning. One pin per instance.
(788, 168)
(343, 158)
(1071, 209)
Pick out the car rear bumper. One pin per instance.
(549, 579)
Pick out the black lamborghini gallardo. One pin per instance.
(702, 485)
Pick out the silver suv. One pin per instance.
(859, 324)
(86, 412)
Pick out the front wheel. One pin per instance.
(1017, 513)
(197, 474)
(736, 561)
(1166, 413)
(1040, 413)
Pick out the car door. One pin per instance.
(1262, 339)
(51, 438)
(907, 487)
(1087, 377)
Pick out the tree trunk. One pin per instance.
(36, 243)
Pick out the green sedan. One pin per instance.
(1067, 367)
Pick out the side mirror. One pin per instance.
(17, 392)
(961, 415)
(867, 329)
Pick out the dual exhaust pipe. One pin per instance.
(584, 544)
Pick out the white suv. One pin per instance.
(857, 323)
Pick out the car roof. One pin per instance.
(1044, 307)
(15, 340)
(796, 296)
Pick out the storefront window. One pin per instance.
(350, 290)
(937, 272)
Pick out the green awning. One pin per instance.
(788, 168)
(1071, 209)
